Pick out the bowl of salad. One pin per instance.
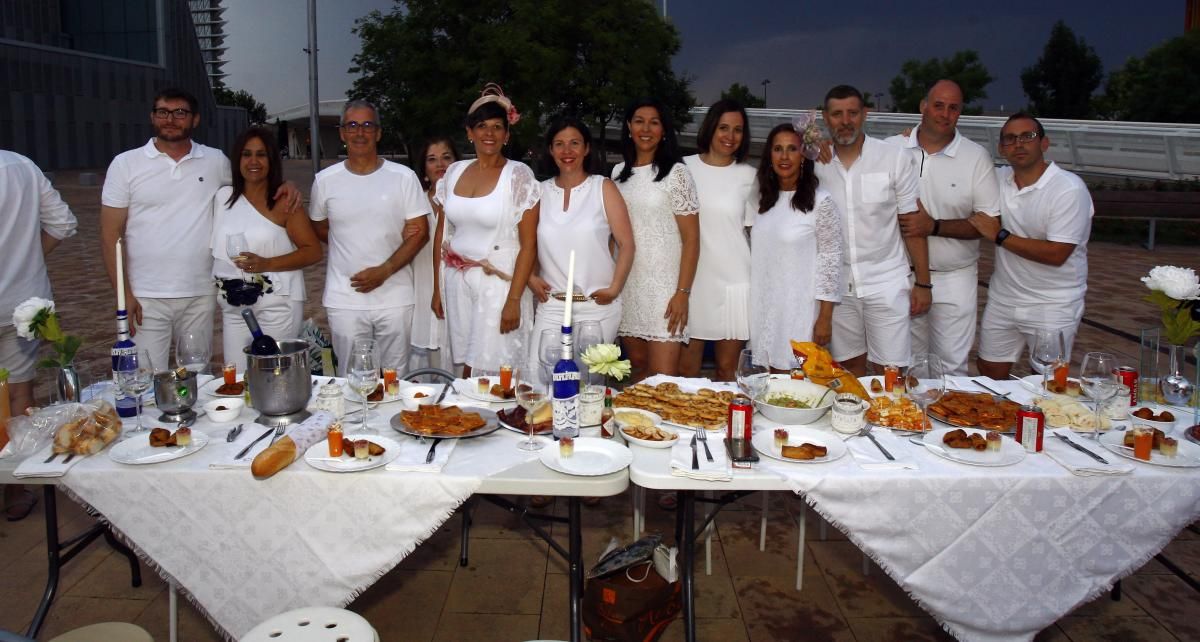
(794, 401)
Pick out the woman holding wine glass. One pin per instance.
(259, 247)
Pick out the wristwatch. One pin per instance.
(1002, 235)
(937, 227)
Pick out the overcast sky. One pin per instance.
(802, 47)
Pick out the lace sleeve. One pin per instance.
(829, 250)
(682, 191)
(525, 189)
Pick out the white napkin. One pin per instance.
(413, 452)
(681, 459)
(1079, 463)
(868, 457)
(35, 466)
(226, 450)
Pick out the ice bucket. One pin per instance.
(279, 384)
(175, 394)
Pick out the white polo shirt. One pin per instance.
(880, 185)
(366, 217)
(1059, 208)
(169, 225)
(29, 205)
(956, 181)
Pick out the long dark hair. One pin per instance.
(274, 172)
(768, 182)
(667, 153)
(557, 125)
(713, 118)
(420, 159)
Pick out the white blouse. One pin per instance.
(583, 227)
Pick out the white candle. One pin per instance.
(570, 290)
(120, 277)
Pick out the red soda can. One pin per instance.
(1031, 428)
(738, 423)
(1128, 375)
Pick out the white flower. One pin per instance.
(1180, 284)
(605, 359)
(23, 315)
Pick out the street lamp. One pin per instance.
(765, 82)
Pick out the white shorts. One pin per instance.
(877, 324)
(389, 327)
(1006, 329)
(948, 329)
(17, 355)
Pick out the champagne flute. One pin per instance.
(135, 381)
(549, 350)
(1098, 379)
(363, 375)
(751, 377)
(533, 400)
(192, 352)
(1046, 352)
(235, 246)
(925, 383)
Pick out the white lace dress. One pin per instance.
(654, 277)
(795, 261)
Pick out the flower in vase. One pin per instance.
(34, 309)
(35, 318)
(605, 359)
(1175, 290)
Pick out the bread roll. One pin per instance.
(288, 448)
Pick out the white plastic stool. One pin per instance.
(106, 632)
(314, 624)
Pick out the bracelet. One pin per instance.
(937, 226)
(687, 291)
(927, 286)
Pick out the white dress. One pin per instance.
(428, 331)
(796, 261)
(654, 277)
(720, 301)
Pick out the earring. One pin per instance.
(470, 141)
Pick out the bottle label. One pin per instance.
(570, 375)
(565, 414)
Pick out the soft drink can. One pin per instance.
(739, 424)
(1031, 428)
(1128, 375)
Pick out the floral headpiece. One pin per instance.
(811, 134)
(492, 93)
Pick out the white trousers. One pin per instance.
(948, 328)
(876, 325)
(279, 316)
(390, 327)
(1006, 328)
(164, 319)
(549, 316)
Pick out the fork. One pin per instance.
(703, 435)
(278, 433)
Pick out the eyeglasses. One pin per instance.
(177, 114)
(366, 125)
(1013, 139)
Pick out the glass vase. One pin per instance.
(1176, 387)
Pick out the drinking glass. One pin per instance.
(192, 352)
(362, 373)
(1046, 353)
(751, 377)
(532, 398)
(587, 334)
(1098, 379)
(925, 383)
(235, 245)
(135, 382)
(549, 350)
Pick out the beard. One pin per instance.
(181, 133)
(846, 139)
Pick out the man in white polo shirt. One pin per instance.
(1040, 276)
(957, 178)
(360, 207)
(872, 183)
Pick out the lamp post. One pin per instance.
(765, 82)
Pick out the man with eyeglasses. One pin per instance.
(360, 207)
(957, 178)
(159, 199)
(1040, 276)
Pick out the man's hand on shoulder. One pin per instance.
(290, 195)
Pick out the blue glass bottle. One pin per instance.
(565, 404)
(124, 359)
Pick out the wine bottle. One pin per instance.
(262, 345)
(565, 404)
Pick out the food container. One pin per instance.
(175, 394)
(849, 413)
(232, 408)
(409, 396)
(331, 399)
(784, 384)
(280, 384)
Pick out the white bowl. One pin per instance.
(232, 408)
(800, 389)
(408, 396)
(654, 418)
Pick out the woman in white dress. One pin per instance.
(661, 198)
(487, 232)
(796, 257)
(279, 244)
(429, 337)
(583, 212)
(720, 301)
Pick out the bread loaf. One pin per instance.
(292, 445)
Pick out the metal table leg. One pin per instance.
(687, 508)
(576, 568)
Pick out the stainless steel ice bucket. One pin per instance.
(280, 384)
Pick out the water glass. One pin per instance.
(549, 351)
(752, 377)
(135, 382)
(1046, 353)
(925, 383)
(192, 351)
(1099, 381)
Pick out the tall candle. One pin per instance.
(570, 290)
(120, 276)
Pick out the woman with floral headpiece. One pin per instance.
(487, 232)
(796, 247)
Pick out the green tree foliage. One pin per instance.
(1164, 86)
(244, 99)
(742, 94)
(1060, 84)
(916, 77)
(424, 63)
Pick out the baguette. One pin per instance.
(292, 445)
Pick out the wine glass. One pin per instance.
(192, 352)
(549, 350)
(587, 334)
(135, 381)
(235, 246)
(1046, 352)
(533, 400)
(362, 372)
(925, 383)
(751, 376)
(1098, 379)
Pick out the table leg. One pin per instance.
(576, 568)
(687, 510)
(50, 508)
(135, 569)
(465, 537)
(172, 612)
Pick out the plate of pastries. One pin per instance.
(974, 446)
(706, 408)
(445, 422)
(897, 413)
(975, 410)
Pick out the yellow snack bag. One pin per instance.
(819, 367)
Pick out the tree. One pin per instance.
(423, 63)
(1164, 86)
(916, 77)
(1060, 84)
(244, 99)
(742, 94)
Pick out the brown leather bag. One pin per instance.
(618, 609)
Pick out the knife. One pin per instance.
(445, 389)
(429, 456)
(695, 459)
(1003, 395)
(1081, 449)
(270, 431)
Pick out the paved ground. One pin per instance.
(514, 587)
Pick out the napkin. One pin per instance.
(868, 456)
(35, 466)
(1079, 463)
(226, 451)
(681, 459)
(413, 452)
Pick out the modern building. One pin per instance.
(210, 32)
(77, 78)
